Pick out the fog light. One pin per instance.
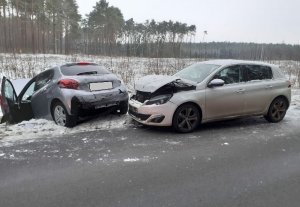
(157, 119)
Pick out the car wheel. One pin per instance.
(186, 118)
(123, 107)
(277, 110)
(61, 116)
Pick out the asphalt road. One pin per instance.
(246, 162)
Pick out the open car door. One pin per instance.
(9, 100)
(12, 108)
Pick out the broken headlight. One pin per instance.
(158, 100)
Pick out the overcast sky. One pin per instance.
(261, 21)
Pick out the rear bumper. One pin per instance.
(82, 104)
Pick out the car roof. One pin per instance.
(79, 64)
(225, 62)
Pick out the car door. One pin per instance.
(259, 88)
(41, 97)
(228, 100)
(13, 111)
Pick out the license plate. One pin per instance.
(101, 86)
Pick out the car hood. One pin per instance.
(151, 83)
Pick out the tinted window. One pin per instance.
(259, 72)
(43, 79)
(230, 75)
(73, 70)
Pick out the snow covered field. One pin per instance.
(130, 69)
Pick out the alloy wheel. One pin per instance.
(187, 118)
(60, 115)
(278, 110)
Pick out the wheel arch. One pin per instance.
(281, 96)
(189, 102)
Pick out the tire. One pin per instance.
(186, 118)
(61, 117)
(123, 107)
(277, 110)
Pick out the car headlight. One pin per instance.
(158, 100)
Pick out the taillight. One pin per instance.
(83, 63)
(68, 83)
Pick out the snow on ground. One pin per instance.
(294, 110)
(30, 130)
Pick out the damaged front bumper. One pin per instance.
(154, 115)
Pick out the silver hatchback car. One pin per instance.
(65, 93)
(210, 91)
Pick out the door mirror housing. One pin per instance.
(216, 83)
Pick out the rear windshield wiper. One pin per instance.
(88, 73)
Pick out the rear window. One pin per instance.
(74, 70)
(43, 78)
(259, 72)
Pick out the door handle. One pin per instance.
(269, 86)
(240, 90)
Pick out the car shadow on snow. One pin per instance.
(239, 124)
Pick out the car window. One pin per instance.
(43, 79)
(29, 92)
(259, 72)
(231, 75)
(9, 91)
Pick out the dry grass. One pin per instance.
(17, 66)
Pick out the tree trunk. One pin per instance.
(54, 32)
(5, 28)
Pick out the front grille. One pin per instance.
(142, 117)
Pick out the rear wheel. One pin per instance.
(277, 110)
(61, 116)
(186, 118)
(123, 107)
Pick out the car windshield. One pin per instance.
(73, 70)
(197, 72)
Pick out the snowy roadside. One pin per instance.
(37, 128)
(33, 129)
(294, 110)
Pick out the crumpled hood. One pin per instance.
(151, 83)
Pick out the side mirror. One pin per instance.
(216, 83)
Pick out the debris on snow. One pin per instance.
(131, 160)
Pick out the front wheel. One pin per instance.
(61, 116)
(186, 118)
(277, 110)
